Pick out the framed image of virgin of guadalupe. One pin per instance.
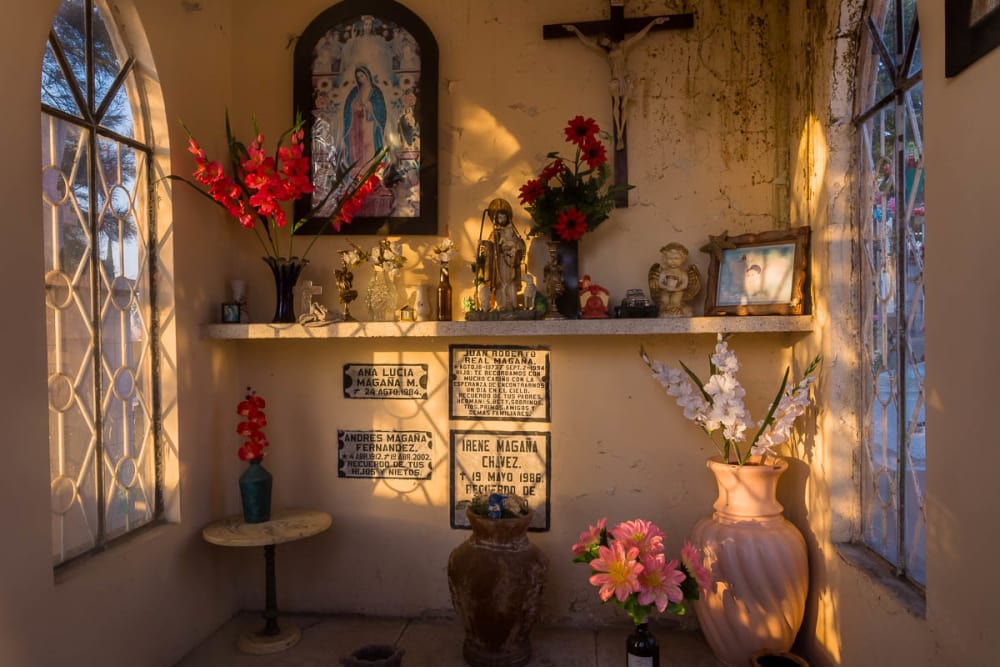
(972, 29)
(366, 78)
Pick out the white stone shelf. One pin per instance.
(528, 328)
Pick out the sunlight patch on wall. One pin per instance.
(811, 161)
(483, 145)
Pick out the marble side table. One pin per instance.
(285, 526)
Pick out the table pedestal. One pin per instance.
(271, 638)
(285, 526)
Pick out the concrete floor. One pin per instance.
(435, 643)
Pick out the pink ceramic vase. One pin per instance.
(758, 563)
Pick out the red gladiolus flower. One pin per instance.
(260, 185)
(593, 152)
(531, 191)
(350, 207)
(581, 130)
(250, 452)
(571, 224)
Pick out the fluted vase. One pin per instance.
(286, 273)
(758, 562)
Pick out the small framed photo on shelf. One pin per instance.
(230, 313)
(759, 274)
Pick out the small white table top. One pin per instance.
(285, 526)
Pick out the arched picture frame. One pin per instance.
(972, 29)
(366, 77)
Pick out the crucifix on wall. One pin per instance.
(614, 38)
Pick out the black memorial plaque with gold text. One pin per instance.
(386, 381)
(505, 462)
(499, 383)
(384, 454)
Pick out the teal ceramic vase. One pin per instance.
(255, 491)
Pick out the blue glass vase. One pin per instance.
(286, 274)
(255, 491)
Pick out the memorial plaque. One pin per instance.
(507, 383)
(506, 462)
(385, 381)
(384, 454)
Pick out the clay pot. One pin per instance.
(375, 655)
(758, 563)
(776, 659)
(496, 579)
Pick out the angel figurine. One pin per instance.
(671, 285)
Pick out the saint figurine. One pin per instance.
(672, 286)
(503, 252)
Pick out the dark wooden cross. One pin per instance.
(612, 36)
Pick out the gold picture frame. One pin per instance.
(759, 274)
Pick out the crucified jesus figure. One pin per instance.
(620, 84)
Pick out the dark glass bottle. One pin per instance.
(444, 296)
(641, 648)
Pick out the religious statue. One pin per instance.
(318, 315)
(552, 281)
(529, 292)
(503, 254)
(620, 85)
(671, 285)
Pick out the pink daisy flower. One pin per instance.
(644, 535)
(589, 538)
(617, 571)
(693, 562)
(660, 582)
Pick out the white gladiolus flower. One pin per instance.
(724, 360)
(719, 404)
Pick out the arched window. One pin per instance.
(889, 120)
(101, 315)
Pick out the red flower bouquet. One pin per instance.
(567, 198)
(258, 184)
(251, 408)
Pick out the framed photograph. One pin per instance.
(759, 274)
(972, 29)
(366, 77)
(230, 313)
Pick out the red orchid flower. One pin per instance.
(252, 409)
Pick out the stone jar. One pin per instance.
(496, 579)
(758, 562)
